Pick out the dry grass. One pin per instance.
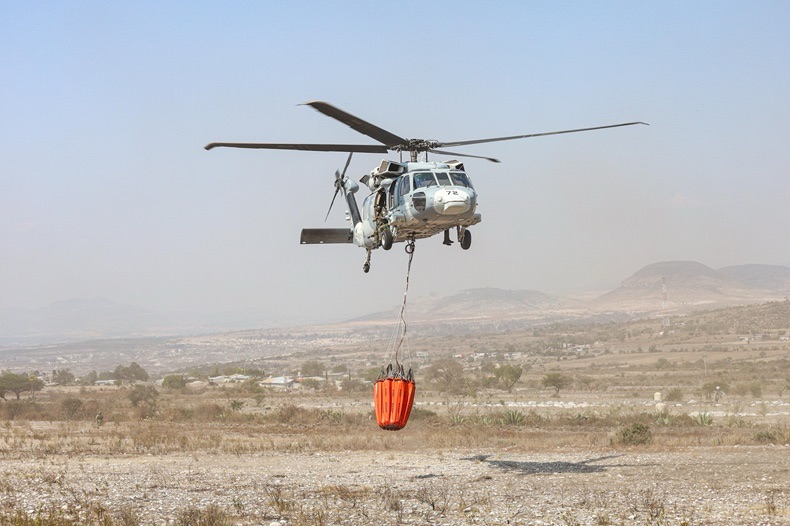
(608, 409)
(290, 428)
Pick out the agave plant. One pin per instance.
(514, 418)
(704, 419)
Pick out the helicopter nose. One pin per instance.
(452, 202)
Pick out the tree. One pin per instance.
(34, 384)
(90, 378)
(63, 377)
(371, 375)
(448, 375)
(143, 394)
(131, 374)
(18, 383)
(311, 383)
(312, 368)
(353, 385)
(556, 381)
(174, 381)
(508, 375)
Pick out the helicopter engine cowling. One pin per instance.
(364, 235)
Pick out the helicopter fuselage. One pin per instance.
(414, 200)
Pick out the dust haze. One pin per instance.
(107, 192)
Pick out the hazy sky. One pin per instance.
(105, 189)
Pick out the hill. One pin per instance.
(690, 284)
(78, 319)
(472, 304)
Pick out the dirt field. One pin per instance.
(735, 485)
(597, 449)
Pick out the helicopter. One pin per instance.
(408, 200)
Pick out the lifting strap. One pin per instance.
(410, 252)
(393, 391)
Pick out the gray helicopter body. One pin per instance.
(427, 199)
(415, 200)
(408, 200)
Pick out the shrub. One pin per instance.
(70, 407)
(143, 394)
(209, 412)
(251, 386)
(775, 435)
(212, 515)
(674, 395)
(418, 413)
(293, 414)
(635, 434)
(354, 385)
(174, 381)
(23, 410)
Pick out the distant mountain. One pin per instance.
(472, 303)
(486, 299)
(78, 319)
(691, 283)
(98, 318)
(765, 277)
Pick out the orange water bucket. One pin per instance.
(393, 397)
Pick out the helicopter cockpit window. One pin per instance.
(403, 185)
(460, 179)
(444, 179)
(423, 180)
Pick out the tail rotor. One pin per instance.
(340, 180)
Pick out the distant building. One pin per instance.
(229, 379)
(280, 382)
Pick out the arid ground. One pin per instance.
(553, 425)
(346, 471)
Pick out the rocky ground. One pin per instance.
(694, 486)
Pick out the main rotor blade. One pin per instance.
(480, 141)
(441, 152)
(359, 148)
(355, 123)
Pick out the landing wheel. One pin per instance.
(386, 238)
(466, 240)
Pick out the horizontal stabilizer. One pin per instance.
(319, 236)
